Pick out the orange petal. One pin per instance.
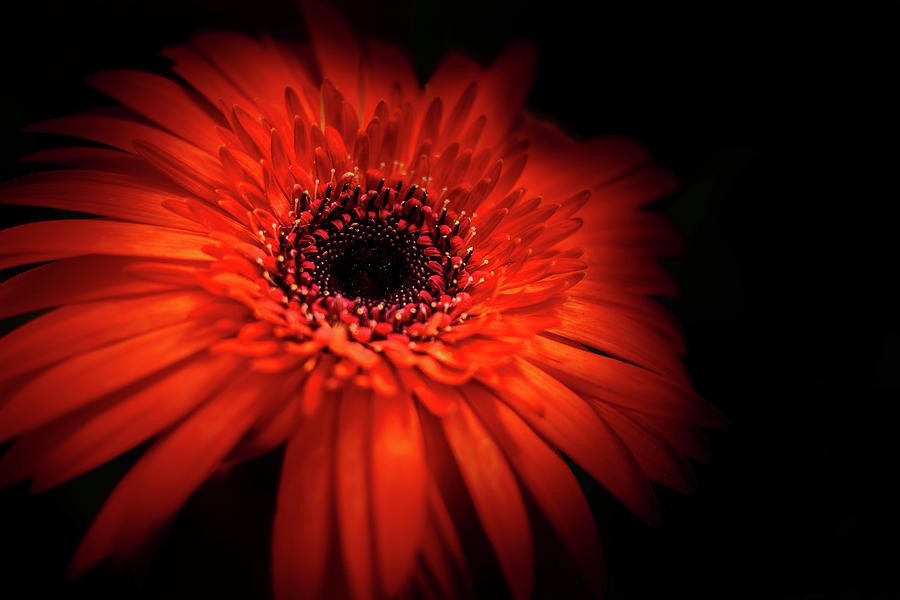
(90, 437)
(658, 460)
(71, 281)
(302, 530)
(161, 100)
(78, 328)
(354, 490)
(623, 384)
(503, 89)
(606, 329)
(121, 133)
(548, 479)
(568, 422)
(334, 46)
(398, 488)
(109, 194)
(495, 494)
(84, 378)
(163, 479)
(65, 238)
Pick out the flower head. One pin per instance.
(409, 286)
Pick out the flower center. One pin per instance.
(372, 262)
(382, 262)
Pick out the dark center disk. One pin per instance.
(372, 261)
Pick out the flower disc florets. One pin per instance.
(381, 262)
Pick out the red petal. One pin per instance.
(685, 439)
(495, 493)
(657, 459)
(70, 281)
(549, 480)
(203, 76)
(100, 159)
(568, 422)
(161, 100)
(277, 426)
(122, 133)
(398, 488)
(442, 551)
(90, 437)
(503, 89)
(451, 81)
(646, 311)
(65, 238)
(383, 67)
(303, 520)
(256, 70)
(161, 481)
(108, 194)
(354, 490)
(76, 328)
(335, 47)
(623, 384)
(562, 166)
(605, 328)
(84, 378)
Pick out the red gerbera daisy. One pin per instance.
(427, 294)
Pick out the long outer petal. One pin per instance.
(65, 238)
(567, 421)
(163, 479)
(399, 479)
(71, 281)
(134, 420)
(610, 331)
(115, 195)
(353, 478)
(301, 535)
(548, 479)
(86, 377)
(495, 494)
(161, 100)
(334, 46)
(658, 460)
(622, 384)
(100, 432)
(78, 328)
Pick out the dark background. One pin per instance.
(775, 120)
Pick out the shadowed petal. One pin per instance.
(162, 479)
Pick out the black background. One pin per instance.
(775, 120)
